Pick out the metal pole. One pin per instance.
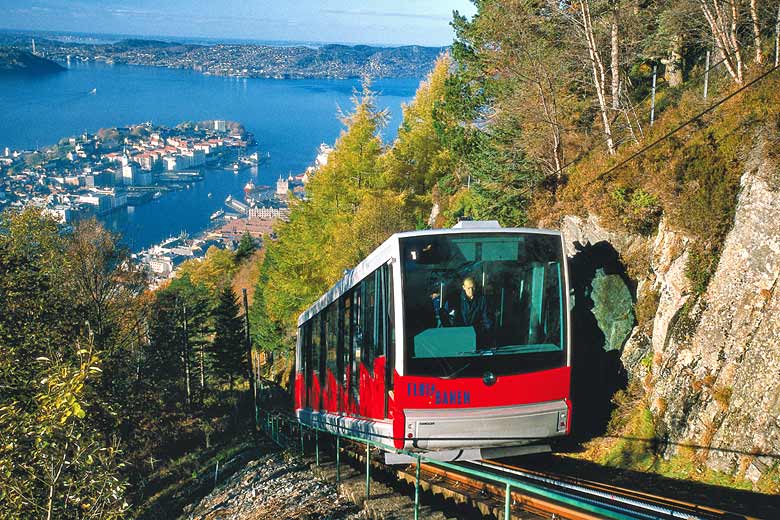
(706, 74)
(338, 458)
(317, 446)
(300, 426)
(368, 471)
(417, 491)
(216, 473)
(652, 101)
(507, 501)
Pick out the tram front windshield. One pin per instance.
(483, 302)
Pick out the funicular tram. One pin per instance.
(453, 341)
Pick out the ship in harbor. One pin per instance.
(217, 214)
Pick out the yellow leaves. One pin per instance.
(78, 411)
(213, 271)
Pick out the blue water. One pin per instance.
(289, 118)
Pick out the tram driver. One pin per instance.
(470, 309)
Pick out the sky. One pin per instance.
(389, 22)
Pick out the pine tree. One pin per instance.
(245, 248)
(228, 345)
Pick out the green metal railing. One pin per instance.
(281, 429)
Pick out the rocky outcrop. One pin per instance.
(717, 372)
(710, 365)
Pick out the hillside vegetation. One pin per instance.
(109, 392)
(543, 110)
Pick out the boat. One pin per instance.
(157, 195)
(93, 91)
(209, 195)
(217, 214)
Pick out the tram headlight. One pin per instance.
(563, 419)
(489, 378)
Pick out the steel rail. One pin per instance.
(685, 509)
(596, 496)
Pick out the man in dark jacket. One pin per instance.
(472, 309)
(469, 310)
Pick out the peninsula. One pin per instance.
(22, 62)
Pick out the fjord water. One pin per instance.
(289, 119)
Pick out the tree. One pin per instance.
(53, 461)
(213, 271)
(245, 248)
(179, 328)
(229, 345)
(723, 20)
(417, 159)
(57, 459)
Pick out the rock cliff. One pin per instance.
(709, 364)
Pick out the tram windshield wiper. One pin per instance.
(457, 371)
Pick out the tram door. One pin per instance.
(368, 345)
(388, 331)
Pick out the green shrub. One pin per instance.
(639, 210)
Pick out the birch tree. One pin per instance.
(723, 20)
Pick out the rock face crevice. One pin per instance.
(710, 364)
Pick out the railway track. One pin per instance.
(577, 499)
(544, 495)
(500, 490)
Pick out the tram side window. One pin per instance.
(306, 358)
(331, 338)
(356, 346)
(368, 334)
(346, 337)
(314, 347)
(389, 315)
(376, 313)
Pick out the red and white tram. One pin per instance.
(452, 341)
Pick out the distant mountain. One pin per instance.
(19, 61)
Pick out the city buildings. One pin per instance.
(111, 169)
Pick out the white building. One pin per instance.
(264, 213)
(194, 158)
(282, 187)
(162, 265)
(129, 174)
(101, 202)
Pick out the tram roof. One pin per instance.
(383, 254)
